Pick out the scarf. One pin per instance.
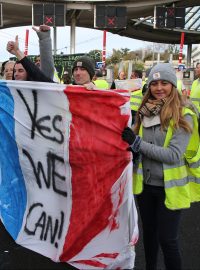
(152, 107)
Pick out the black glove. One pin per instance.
(144, 89)
(128, 135)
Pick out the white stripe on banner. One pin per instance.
(65, 173)
(47, 169)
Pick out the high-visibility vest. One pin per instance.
(144, 81)
(195, 94)
(136, 99)
(101, 84)
(181, 181)
(56, 77)
(179, 86)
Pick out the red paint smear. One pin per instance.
(134, 241)
(107, 255)
(92, 263)
(98, 157)
(114, 224)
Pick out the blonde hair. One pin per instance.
(171, 110)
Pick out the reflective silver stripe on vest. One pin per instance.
(135, 96)
(174, 166)
(182, 182)
(182, 163)
(195, 99)
(134, 103)
(194, 164)
(139, 171)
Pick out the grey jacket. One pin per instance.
(46, 57)
(154, 154)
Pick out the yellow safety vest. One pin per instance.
(195, 94)
(56, 77)
(101, 84)
(136, 99)
(144, 81)
(179, 86)
(182, 183)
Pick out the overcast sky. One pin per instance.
(86, 40)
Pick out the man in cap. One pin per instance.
(83, 71)
(66, 79)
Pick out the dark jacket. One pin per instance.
(34, 73)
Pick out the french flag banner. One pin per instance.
(66, 174)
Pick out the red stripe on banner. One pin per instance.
(98, 156)
(107, 255)
(114, 224)
(97, 263)
(92, 263)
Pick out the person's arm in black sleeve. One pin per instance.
(113, 85)
(33, 71)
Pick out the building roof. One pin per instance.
(139, 17)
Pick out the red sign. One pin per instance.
(111, 21)
(49, 20)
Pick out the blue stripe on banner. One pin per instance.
(13, 195)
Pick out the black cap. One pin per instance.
(87, 63)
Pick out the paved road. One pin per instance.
(189, 240)
(18, 258)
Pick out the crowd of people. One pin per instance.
(163, 138)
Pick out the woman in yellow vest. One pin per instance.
(167, 176)
(195, 89)
(136, 95)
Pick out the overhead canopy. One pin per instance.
(139, 17)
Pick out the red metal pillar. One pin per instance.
(26, 42)
(181, 48)
(104, 48)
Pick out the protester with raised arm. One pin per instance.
(25, 67)
(45, 45)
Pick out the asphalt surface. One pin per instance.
(14, 257)
(189, 241)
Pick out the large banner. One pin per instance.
(129, 84)
(65, 173)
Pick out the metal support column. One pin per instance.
(54, 40)
(72, 36)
